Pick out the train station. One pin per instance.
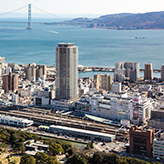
(92, 135)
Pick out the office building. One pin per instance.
(103, 81)
(141, 141)
(148, 74)
(162, 72)
(10, 82)
(66, 71)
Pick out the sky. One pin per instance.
(81, 8)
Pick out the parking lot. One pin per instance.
(110, 146)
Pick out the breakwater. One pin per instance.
(103, 69)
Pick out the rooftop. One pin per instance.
(15, 118)
(82, 131)
(66, 44)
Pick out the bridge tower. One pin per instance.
(29, 17)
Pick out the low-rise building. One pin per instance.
(15, 121)
(33, 147)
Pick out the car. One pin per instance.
(103, 144)
(146, 158)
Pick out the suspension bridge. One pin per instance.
(29, 22)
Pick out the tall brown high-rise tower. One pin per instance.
(10, 82)
(148, 74)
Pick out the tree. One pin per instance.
(55, 149)
(96, 159)
(27, 159)
(70, 152)
(28, 143)
(53, 160)
(76, 159)
(41, 158)
(90, 145)
(21, 147)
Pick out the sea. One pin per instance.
(97, 47)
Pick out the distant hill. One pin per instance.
(151, 20)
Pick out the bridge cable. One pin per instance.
(13, 11)
(46, 12)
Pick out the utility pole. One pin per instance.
(29, 17)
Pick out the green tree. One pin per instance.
(96, 159)
(53, 160)
(41, 158)
(55, 149)
(28, 143)
(76, 159)
(21, 147)
(70, 152)
(90, 145)
(27, 159)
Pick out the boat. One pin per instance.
(139, 37)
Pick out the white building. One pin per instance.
(15, 121)
(44, 96)
(61, 104)
(114, 108)
(14, 99)
(141, 109)
(6, 70)
(116, 87)
(158, 147)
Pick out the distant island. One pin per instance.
(123, 21)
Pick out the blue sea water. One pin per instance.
(97, 47)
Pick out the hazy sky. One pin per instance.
(84, 7)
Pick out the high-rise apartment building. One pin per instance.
(148, 74)
(162, 72)
(10, 82)
(103, 81)
(130, 70)
(66, 71)
(33, 73)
